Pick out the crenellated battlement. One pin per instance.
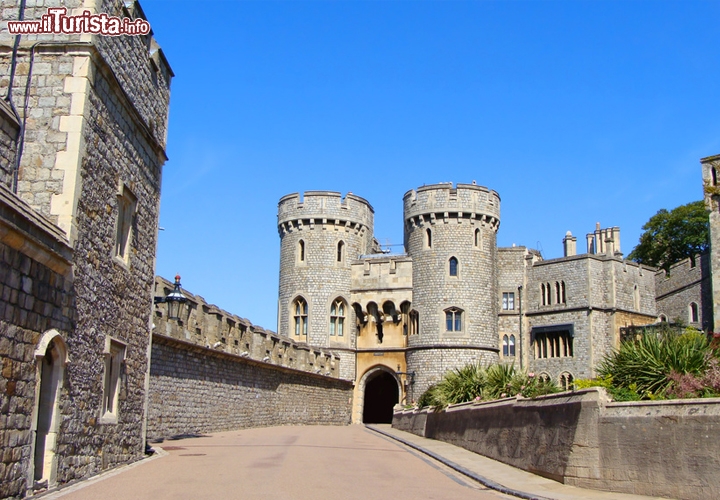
(323, 208)
(445, 202)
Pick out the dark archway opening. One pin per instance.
(381, 395)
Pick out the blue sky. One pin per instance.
(575, 112)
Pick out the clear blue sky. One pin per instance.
(576, 112)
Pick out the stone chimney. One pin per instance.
(570, 244)
(605, 241)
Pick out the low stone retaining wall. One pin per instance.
(194, 390)
(657, 448)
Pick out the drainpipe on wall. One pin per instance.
(520, 334)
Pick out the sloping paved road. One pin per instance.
(289, 463)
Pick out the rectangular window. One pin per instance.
(508, 301)
(127, 205)
(553, 344)
(114, 365)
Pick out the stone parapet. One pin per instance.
(324, 208)
(445, 201)
(207, 326)
(655, 448)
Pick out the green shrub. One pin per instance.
(461, 384)
(642, 368)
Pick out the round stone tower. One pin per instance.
(321, 233)
(450, 233)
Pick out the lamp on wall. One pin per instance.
(411, 375)
(175, 301)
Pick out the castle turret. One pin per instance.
(450, 233)
(320, 235)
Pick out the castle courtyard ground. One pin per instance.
(311, 462)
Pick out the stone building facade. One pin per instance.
(711, 183)
(82, 145)
(453, 298)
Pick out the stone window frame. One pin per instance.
(299, 311)
(566, 381)
(125, 224)
(553, 343)
(508, 345)
(693, 312)
(114, 353)
(301, 255)
(453, 267)
(427, 238)
(507, 299)
(453, 320)
(414, 322)
(477, 239)
(338, 315)
(340, 257)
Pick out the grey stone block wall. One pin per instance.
(321, 219)
(194, 390)
(9, 127)
(712, 203)
(208, 326)
(120, 100)
(453, 215)
(655, 448)
(687, 282)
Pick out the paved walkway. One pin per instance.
(298, 463)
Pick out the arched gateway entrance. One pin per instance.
(381, 394)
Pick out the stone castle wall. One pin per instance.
(36, 295)
(711, 178)
(9, 127)
(441, 222)
(602, 294)
(320, 272)
(688, 281)
(196, 390)
(95, 122)
(207, 326)
(655, 448)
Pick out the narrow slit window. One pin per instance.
(428, 235)
(340, 251)
(453, 266)
(301, 251)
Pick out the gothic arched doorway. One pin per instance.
(381, 395)
(51, 357)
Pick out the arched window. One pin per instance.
(340, 251)
(713, 172)
(414, 322)
(542, 293)
(337, 318)
(549, 293)
(663, 318)
(300, 310)
(693, 312)
(562, 293)
(512, 345)
(566, 381)
(428, 236)
(557, 293)
(505, 345)
(453, 266)
(301, 251)
(478, 238)
(453, 319)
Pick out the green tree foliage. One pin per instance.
(672, 236)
